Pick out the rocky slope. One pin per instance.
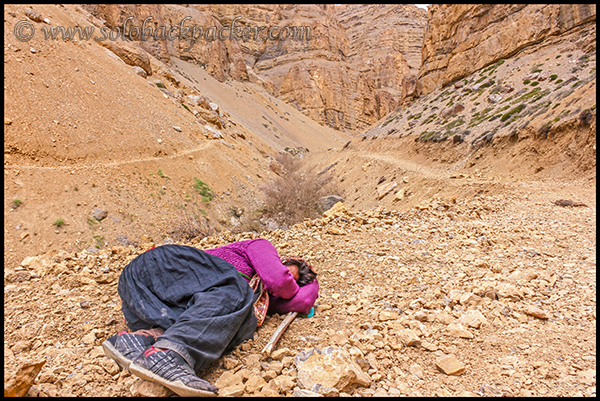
(496, 278)
(83, 130)
(461, 39)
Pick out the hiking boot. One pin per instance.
(168, 368)
(123, 347)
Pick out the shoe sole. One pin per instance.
(111, 352)
(176, 386)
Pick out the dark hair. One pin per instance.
(306, 274)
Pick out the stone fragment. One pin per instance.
(337, 208)
(330, 367)
(144, 388)
(271, 389)
(452, 111)
(489, 391)
(494, 98)
(416, 370)
(457, 330)
(19, 384)
(33, 15)
(255, 383)
(473, 318)
(237, 390)
(535, 311)
(109, 365)
(99, 214)
(285, 383)
(450, 365)
(300, 392)
(386, 315)
(229, 379)
(327, 202)
(409, 337)
(140, 71)
(230, 362)
(280, 353)
(420, 316)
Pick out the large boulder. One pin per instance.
(130, 54)
(329, 368)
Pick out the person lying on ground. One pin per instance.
(185, 307)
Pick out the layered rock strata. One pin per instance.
(462, 38)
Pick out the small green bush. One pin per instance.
(203, 189)
(527, 81)
(17, 203)
(558, 81)
(535, 83)
(553, 77)
(59, 222)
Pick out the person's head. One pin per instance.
(302, 271)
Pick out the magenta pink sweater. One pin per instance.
(260, 256)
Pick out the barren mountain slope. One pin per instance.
(83, 131)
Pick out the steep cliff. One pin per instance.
(463, 38)
(346, 76)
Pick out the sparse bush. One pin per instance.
(527, 81)
(203, 189)
(535, 83)
(558, 81)
(517, 109)
(16, 203)
(553, 77)
(191, 225)
(59, 222)
(293, 197)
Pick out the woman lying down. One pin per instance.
(185, 307)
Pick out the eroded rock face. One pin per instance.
(346, 76)
(462, 38)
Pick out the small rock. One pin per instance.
(99, 214)
(176, 128)
(416, 370)
(299, 392)
(110, 366)
(458, 330)
(386, 315)
(236, 390)
(494, 98)
(409, 337)
(143, 388)
(7, 121)
(420, 316)
(280, 353)
(89, 338)
(33, 15)
(473, 318)
(535, 311)
(255, 383)
(230, 363)
(140, 71)
(490, 391)
(450, 365)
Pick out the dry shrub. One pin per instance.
(293, 197)
(189, 226)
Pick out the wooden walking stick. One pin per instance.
(279, 332)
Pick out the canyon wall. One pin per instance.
(462, 38)
(347, 75)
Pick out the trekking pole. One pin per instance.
(279, 332)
